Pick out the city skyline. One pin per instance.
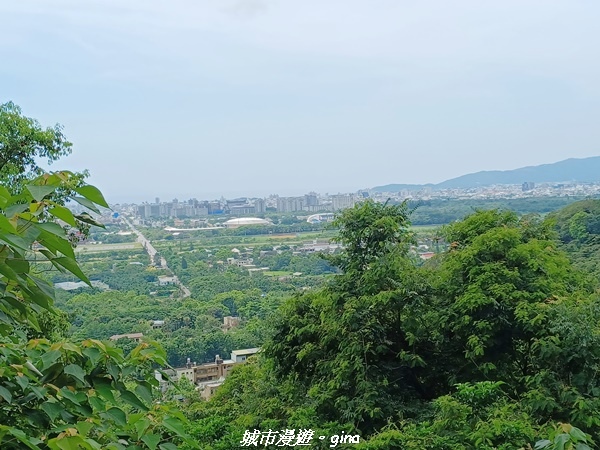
(573, 171)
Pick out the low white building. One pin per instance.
(241, 355)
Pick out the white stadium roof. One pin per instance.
(246, 221)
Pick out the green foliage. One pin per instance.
(496, 283)
(369, 232)
(477, 417)
(565, 437)
(501, 320)
(578, 221)
(578, 226)
(23, 141)
(448, 210)
(347, 345)
(59, 395)
(23, 224)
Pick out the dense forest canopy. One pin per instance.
(490, 345)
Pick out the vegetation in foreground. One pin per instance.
(57, 394)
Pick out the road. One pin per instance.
(95, 248)
(152, 251)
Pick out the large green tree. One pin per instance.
(496, 281)
(513, 309)
(347, 344)
(23, 142)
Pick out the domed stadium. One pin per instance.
(321, 217)
(244, 221)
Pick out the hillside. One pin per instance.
(573, 169)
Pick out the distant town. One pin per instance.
(319, 207)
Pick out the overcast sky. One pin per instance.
(203, 98)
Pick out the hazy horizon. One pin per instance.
(252, 97)
(206, 195)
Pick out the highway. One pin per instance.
(152, 251)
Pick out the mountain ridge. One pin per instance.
(572, 169)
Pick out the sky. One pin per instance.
(211, 98)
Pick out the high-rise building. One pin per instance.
(528, 186)
(260, 206)
(290, 204)
(342, 201)
(311, 199)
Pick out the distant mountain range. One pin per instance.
(573, 169)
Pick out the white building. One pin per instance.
(342, 201)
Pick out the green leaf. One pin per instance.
(49, 358)
(133, 400)
(115, 446)
(71, 265)
(15, 241)
(577, 434)
(70, 347)
(6, 225)
(8, 272)
(4, 193)
(151, 440)
(53, 409)
(560, 441)
(16, 209)
(53, 228)
(167, 446)
(97, 403)
(40, 392)
(55, 243)
(84, 427)
(88, 204)
(141, 426)
(64, 214)
(86, 218)
(11, 300)
(23, 382)
(105, 392)
(44, 287)
(144, 392)
(93, 354)
(175, 425)
(118, 416)
(75, 371)
(68, 443)
(29, 441)
(66, 393)
(5, 394)
(47, 253)
(92, 193)
(39, 192)
(18, 265)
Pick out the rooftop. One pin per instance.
(246, 221)
(246, 351)
(115, 337)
